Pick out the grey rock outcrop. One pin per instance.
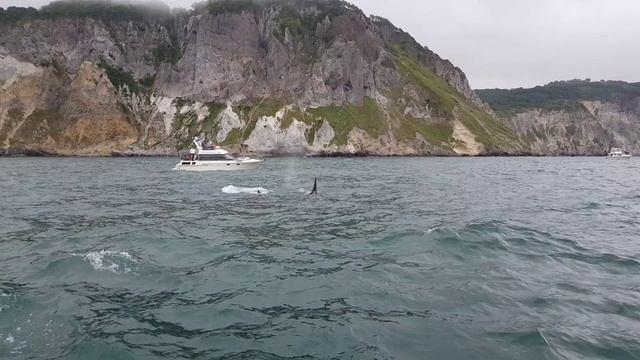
(352, 84)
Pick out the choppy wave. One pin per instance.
(245, 190)
(454, 256)
(111, 260)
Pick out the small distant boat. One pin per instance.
(205, 158)
(617, 153)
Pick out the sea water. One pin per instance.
(395, 258)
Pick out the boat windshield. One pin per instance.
(215, 157)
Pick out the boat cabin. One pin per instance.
(204, 152)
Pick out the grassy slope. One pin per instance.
(345, 118)
(447, 103)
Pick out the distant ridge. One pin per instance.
(576, 117)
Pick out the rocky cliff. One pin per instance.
(572, 117)
(266, 76)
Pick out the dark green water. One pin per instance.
(492, 258)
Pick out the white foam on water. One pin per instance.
(302, 190)
(245, 190)
(110, 260)
(4, 295)
(10, 339)
(432, 230)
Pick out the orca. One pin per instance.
(315, 187)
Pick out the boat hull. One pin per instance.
(218, 165)
(619, 157)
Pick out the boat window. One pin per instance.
(212, 157)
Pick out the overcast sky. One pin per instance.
(514, 43)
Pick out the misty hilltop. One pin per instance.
(270, 76)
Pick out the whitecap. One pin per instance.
(10, 339)
(245, 190)
(429, 231)
(302, 190)
(110, 260)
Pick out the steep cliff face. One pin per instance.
(79, 114)
(572, 118)
(274, 76)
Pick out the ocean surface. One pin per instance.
(396, 258)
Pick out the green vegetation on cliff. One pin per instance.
(255, 109)
(13, 14)
(210, 124)
(123, 79)
(120, 78)
(559, 95)
(295, 113)
(250, 112)
(230, 6)
(293, 17)
(441, 96)
(447, 103)
(185, 128)
(186, 125)
(439, 134)
(166, 53)
(105, 10)
(345, 118)
(326, 7)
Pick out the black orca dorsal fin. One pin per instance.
(315, 187)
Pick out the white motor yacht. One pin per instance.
(204, 158)
(617, 153)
